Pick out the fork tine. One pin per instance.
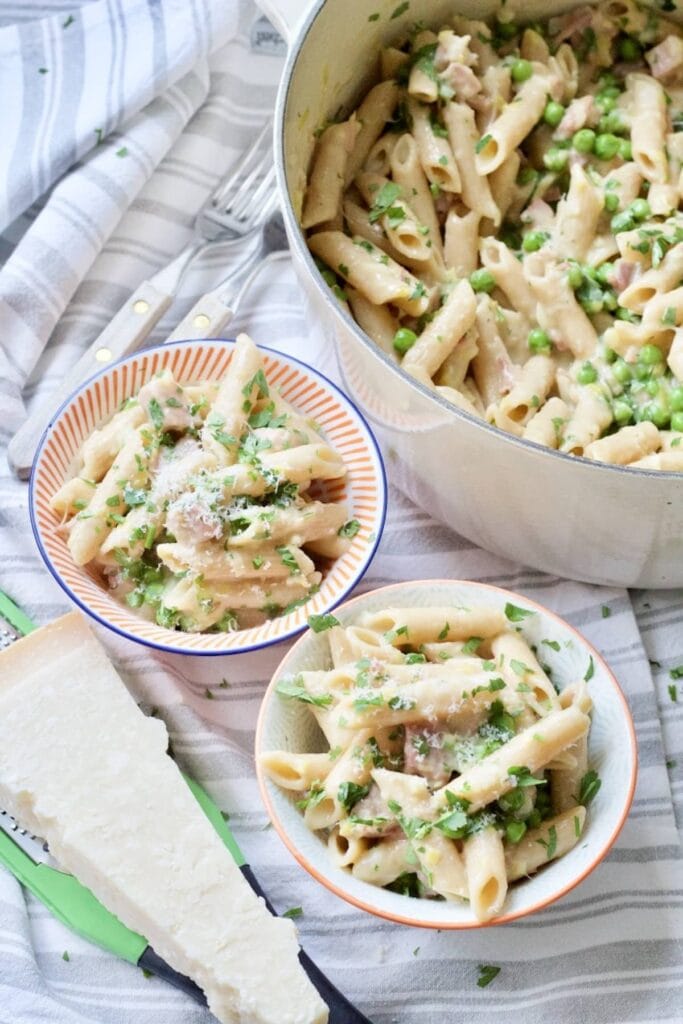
(241, 197)
(251, 197)
(242, 163)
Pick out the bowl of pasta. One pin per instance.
(486, 217)
(446, 754)
(205, 497)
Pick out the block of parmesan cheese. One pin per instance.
(82, 766)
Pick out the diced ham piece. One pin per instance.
(580, 112)
(423, 755)
(666, 59)
(622, 274)
(569, 24)
(453, 61)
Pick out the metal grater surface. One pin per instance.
(8, 634)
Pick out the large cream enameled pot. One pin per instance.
(571, 517)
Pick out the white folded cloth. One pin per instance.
(609, 952)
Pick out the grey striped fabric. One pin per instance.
(608, 953)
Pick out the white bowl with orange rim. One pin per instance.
(313, 396)
(288, 725)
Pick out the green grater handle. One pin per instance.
(15, 616)
(72, 903)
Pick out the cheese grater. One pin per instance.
(28, 858)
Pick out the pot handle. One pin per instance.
(285, 15)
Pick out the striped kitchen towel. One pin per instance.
(94, 98)
(608, 953)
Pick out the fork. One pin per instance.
(233, 215)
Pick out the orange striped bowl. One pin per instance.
(289, 725)
(363, 490)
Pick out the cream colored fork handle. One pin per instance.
(206, 319)
(122, 335)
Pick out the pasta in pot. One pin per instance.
(454, 766)
(505, 182)
(194, 503)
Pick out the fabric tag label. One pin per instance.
(267, 40)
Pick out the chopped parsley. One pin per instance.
(590, 671)
(349, 793)
(589, 786)
(320, 623)
(514, 613)
(673, 692)
(524, 777)
(606, 611)
(472, 645)
(674, 673)
(550, 843)
(294, 689)
(487, 972)
(482, 143)
(155, 413)
(401, 9)
(349, 529)
(288, 559)
(384, 200)
(444, 632)
(293, 912)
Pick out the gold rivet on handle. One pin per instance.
(201, 320)
(141, 306)
(103, 355)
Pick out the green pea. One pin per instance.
(609, 300)
(609, 355)
(629, 49)
(593, 303)
(482, 280)
(587, 374)
(677, 421)
(611, 202)
(404, 339)
(640, 208)
(622, 412)
(642, 372)
(603, 271)
(625, 314)
(624, 221)
(612, 121)
(606, 146)
(622, 371)
(514, 831)
(656, 412)
(506, 29)
(521, 70)
(511, 801)
(575, 276)
(676, 398)
(553, 113)
(584, 140)
(533, 241)
(538, 341)
(625, 151)
(534, 819)
(555, 159)
(606, 101)
(650, 355)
